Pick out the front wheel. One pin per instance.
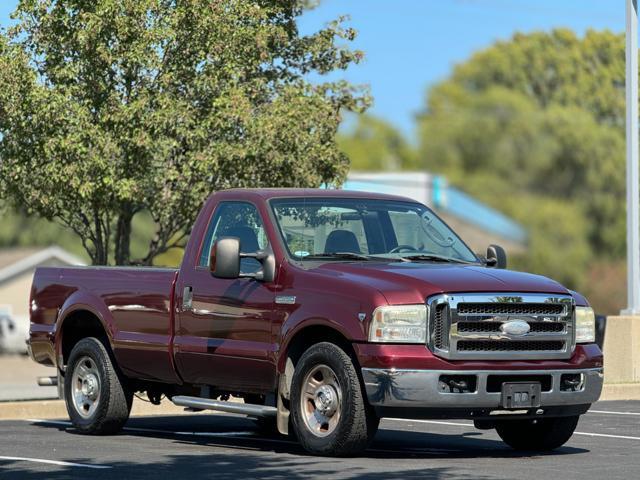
(329, 412)
(97, 398)
(537, 435)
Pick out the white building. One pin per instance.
(17, 266)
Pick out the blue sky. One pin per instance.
(410, 44)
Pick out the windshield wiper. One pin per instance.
(346, 255)
(436, 258)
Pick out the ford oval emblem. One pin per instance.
(515, 327)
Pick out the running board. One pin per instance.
(48, 381)
(229, 407)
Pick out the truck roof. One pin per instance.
(269, 193)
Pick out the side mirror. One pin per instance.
(496, 257)
(224, 261)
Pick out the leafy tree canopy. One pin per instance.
(114, 108)
(552, 68)
(374, 144)
(534, 127)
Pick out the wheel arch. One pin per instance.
(309, 334)
(296, 344)
(78, 320)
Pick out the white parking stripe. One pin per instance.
(249, 433)
(606, 435)
(613, 413)
(54, 462)
(437, 422)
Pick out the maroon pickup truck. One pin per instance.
(324, 311)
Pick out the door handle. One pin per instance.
(187, 299)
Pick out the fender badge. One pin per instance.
(285, 299)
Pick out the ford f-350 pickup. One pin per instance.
(325, 311)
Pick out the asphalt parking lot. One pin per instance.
(229, 447)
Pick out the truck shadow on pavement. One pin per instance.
(239, 450)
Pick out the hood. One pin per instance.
(402, 282)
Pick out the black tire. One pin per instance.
(542, 436)
(357, 423)
(112, 403)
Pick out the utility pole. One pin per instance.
(633, 177)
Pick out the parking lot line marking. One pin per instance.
(437, 422)
(456, 424)
(608, 412)
(625, 437)
(54, 462)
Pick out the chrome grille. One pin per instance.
(494, 327)
(439, 333)
(510, 309)
(509, 345)
(470, 326)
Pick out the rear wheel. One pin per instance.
(329, 412)
(537, 435)
(97, 398)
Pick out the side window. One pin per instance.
(241, 220)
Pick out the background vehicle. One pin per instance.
(326, 310)
(12, 340)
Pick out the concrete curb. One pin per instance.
(51, 409)
(620, 391)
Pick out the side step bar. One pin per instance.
(48, 381)
(229, 407)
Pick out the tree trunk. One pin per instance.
(101, 253)
(123, 238)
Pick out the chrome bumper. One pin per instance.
(419, 388)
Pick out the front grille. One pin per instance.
(470, 326)
(509, 346)
(494, 327)
(439, 331)
(510, 309)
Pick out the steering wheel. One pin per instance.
(403, 248)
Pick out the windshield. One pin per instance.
(339, 227)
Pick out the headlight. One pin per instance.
(399, 324)
(585, 325)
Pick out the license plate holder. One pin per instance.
(521, 394)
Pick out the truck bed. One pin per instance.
(134, 304)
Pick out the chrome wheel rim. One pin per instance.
(85, 387)
(321, 401)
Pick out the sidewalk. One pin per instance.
(55, 409)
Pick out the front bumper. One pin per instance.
(419, 389)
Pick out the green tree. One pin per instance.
(500, 141)
(374, 144)
(534, 127)
(113, 109)
(554, 68)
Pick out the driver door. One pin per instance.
(223, 337)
